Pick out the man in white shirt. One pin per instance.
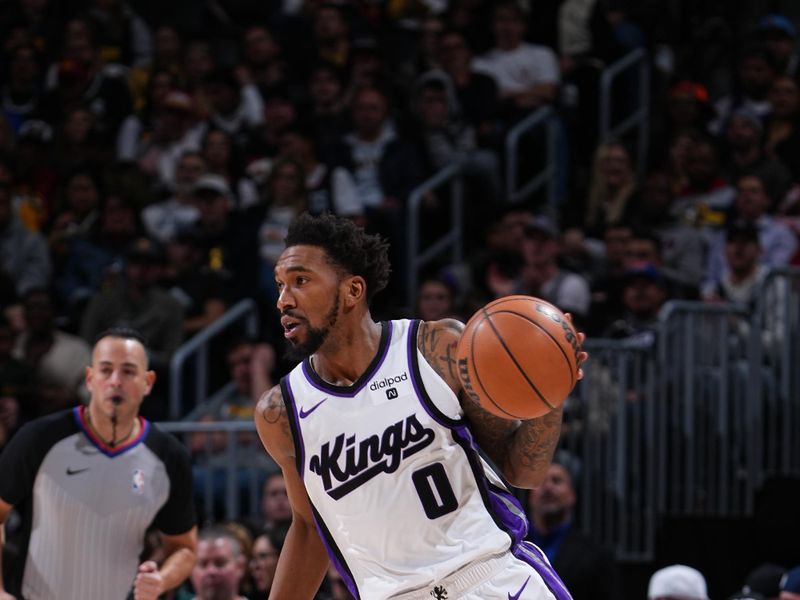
(527, 75)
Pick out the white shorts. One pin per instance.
(521, 574)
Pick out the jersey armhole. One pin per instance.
(294, 425)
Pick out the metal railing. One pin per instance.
(452, 239)
(542, 118)
(638, 117)
(197, 348)
(230, 465)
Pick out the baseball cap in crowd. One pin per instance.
(790, 582)
(744, 595)
(643, 270)
(741, 231)
(765, 579)
(689, 89)
(677, 581)
(211, 183)
(36, 130)
(543, 224)
(778, 23)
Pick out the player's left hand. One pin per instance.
(148, 584)
(582, 356)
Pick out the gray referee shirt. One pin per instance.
(86, 507)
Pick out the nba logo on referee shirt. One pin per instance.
(137, 483)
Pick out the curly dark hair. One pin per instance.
(347, 245)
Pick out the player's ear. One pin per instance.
(355, 290)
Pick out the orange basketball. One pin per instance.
(518, 357)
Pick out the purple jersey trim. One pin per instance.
(336, 556)
(529, 553)
(361, 382)
(294, 423)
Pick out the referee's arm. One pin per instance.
(180, 551)
(5, 508)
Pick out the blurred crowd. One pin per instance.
(153, 154)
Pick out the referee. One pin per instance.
(90, 481)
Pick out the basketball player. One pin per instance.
(88, 483)
(382, 452)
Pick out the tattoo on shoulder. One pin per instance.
(437, 341)
(272, 405)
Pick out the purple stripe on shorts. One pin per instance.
(530, 554)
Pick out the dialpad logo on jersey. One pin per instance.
(388, 382)
(347, 464)
(137, 483)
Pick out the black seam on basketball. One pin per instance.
(548, 334)
(514, 359)
(478, 375)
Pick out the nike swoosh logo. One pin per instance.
(519, 593)
(76, 471)
(305, 413)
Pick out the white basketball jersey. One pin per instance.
(400, 494)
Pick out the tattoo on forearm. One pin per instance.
(450, 358)
(536, 441)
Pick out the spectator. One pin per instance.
(677, 582)
(757, 71)
(87, 455)
(476, 92)
(236, 107)
(612, 192)
(782, 125)
(167, 46)
(19, 388)
(779, 35)
(22, 89)
(228, 238)
(753, 203)
(266, 548)
(198, 64)
(608, 287)
(280, 114)
(338, 587)
(261, 57)
(684, 246)
(286, 198)
(223, 159)
(193, 284)
(163, 220)
(790, 585)
(331, 188)
(93, 262)
(587, 569)
(743, 284)
(78, 143)
(220, 566)
(707, 195)
(59, 358)
(79, 77)
(123, 37)
(643, 295)
(541, 275)
(446, 139)
(331, 34)
(744, 134)
(527, 75)
(276, 512)
(23, 254)
(138, 301)
(436, 299)
(328, 103)
(386, 167)
(76, 215)
(765, 579)
(250, 367)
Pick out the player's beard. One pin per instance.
(315, 336)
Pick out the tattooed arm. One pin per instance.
(303, 560)
(521, 449)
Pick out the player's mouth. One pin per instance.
(291, 326)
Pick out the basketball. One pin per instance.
(518, 357)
